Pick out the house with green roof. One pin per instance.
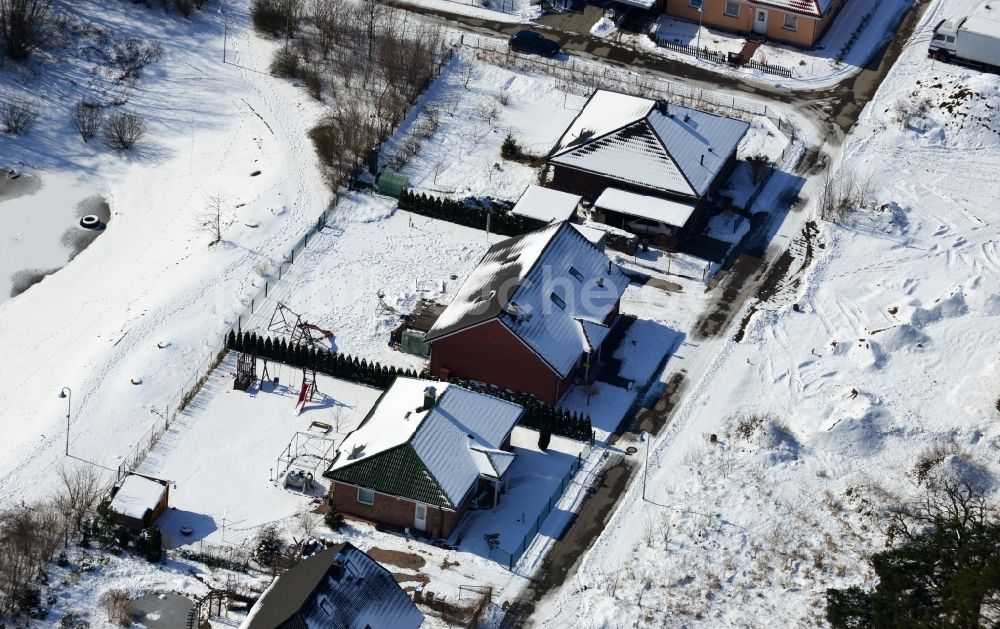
(426, 453)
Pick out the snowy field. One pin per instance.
(822, 411)
(811, 69)
(475, 106)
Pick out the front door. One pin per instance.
(760, 21)
(420, 518)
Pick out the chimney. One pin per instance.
(430, 396)
(339, 569)
(663, 107)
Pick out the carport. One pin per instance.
(643, 214)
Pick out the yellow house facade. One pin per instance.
(796, 22)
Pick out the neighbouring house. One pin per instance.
(797, 22)
(532, 315)
(545, 205)
(337, 588)
(139, 500)
(426, 453)
(645, 148)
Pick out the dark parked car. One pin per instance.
(528, 41)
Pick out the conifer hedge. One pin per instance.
(537, 414)
(502, 221)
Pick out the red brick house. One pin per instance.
(641, 150)
(531, 316)
(797, 22)
(424, 455)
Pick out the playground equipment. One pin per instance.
(307, 390)
(306, 453)
(287, 321)
(246, 372)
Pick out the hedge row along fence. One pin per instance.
(501, 222)
(537, 414)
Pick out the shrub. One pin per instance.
(510, 148)
(123, 130)
(88, 117)
(22, 26)
(312, 81)
(544, 437)
(116, 604)
(18, 115)
(285, 64)
(276, 17)
(333, 519)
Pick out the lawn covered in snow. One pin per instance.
(823, 411)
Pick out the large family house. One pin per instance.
(425, 454)
(644, 160)
(531, 316)
(798, 22)
(337, 588)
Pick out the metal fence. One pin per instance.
(701, 53)
(510, 559)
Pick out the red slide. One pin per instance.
(303, 395)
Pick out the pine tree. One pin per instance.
(281, 352)
(231, 341)
(268, 348)
(154, 545)
(246, 342)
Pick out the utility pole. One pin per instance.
(68, 394)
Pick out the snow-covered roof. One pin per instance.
(316, 595)
(546, 205)
(654, 208)
(595, 236)
(136, 496)
(812, 8)
(454, 440)
(982, 26)
(640, 4)
(540, 286)
(655, 145)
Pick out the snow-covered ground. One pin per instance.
(823, 410)
(496, 10)
(371, 248)
(867, 22)
(150, 277)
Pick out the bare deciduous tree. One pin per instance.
(29, 536)
(87, 118)
(22, 26)
(17, 115)
(211, 219)
(123, 130)
(82, 488)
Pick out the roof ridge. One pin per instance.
(590, 140)
(670, 155)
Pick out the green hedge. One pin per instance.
(501, 222)
(537, 415)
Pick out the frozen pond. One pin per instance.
(41, 232)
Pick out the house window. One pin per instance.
(578, 275)
(733, 9)
(557, 300)
(324, 604)
(366, 496)
(791, 23)
(695, 4)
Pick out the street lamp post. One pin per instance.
(68, 394)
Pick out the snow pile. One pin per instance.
(950, 107)
(604, 27)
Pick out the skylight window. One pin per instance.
(578, 275)
(557, 300)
